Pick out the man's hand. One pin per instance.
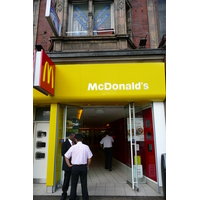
(88, 162)
(68, 163)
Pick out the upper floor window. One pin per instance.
(42, 114)
(161, 4)
(78, 24)
(102, 18)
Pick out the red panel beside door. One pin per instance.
(150, 165)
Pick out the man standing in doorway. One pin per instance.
(80, 155)
(65, 146)
(106, 143)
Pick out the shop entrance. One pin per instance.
(92, 122)
(130, 126)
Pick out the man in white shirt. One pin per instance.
(106, 143)
(80, 155)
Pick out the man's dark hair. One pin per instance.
(72, 133)
(78, 137)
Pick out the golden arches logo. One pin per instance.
(49, 74)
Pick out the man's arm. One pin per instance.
(88, 162)
(101, 143)
(68, 163)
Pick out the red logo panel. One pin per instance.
(47, 74)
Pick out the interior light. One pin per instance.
(100, 111)
(79, 113)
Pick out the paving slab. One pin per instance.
(42, 197)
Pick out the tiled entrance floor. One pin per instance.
(102, 182)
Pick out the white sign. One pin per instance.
(52, 18)
(139, 171)
(116, 86)
(137, 146)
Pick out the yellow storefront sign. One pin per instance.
(108, 83)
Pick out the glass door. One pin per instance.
(72, 121)
(131, 146)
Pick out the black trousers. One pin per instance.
(79, 171)
(108, 157)
(66, 181)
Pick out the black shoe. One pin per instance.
(64, 196)
(106, 168)
(110, 169)
(77, 198)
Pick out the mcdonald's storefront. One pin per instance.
(93, 81)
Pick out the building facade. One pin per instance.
(109, 54)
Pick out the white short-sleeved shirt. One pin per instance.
(79, 153)
(107, 141)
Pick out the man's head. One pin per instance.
(78, 137)
(72, 136)
(107, 133)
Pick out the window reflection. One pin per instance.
(42, 114)
(74, 120)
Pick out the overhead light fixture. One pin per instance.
(99, 111)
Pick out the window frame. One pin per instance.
(71, 4)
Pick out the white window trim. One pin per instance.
(69, 33)
(112, 15)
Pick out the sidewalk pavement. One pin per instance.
(102, 198)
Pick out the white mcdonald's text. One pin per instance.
(116, 86)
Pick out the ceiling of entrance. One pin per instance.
(99, 116)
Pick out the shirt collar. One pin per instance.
(79, 142)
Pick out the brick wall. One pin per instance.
(36, 4)
(42, 37)
(140, 21)
(140, 25)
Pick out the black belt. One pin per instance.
(80, 165)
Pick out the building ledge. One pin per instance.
(95, 42)
(108, 55)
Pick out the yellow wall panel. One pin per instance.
(51, 145)
(59, 136)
